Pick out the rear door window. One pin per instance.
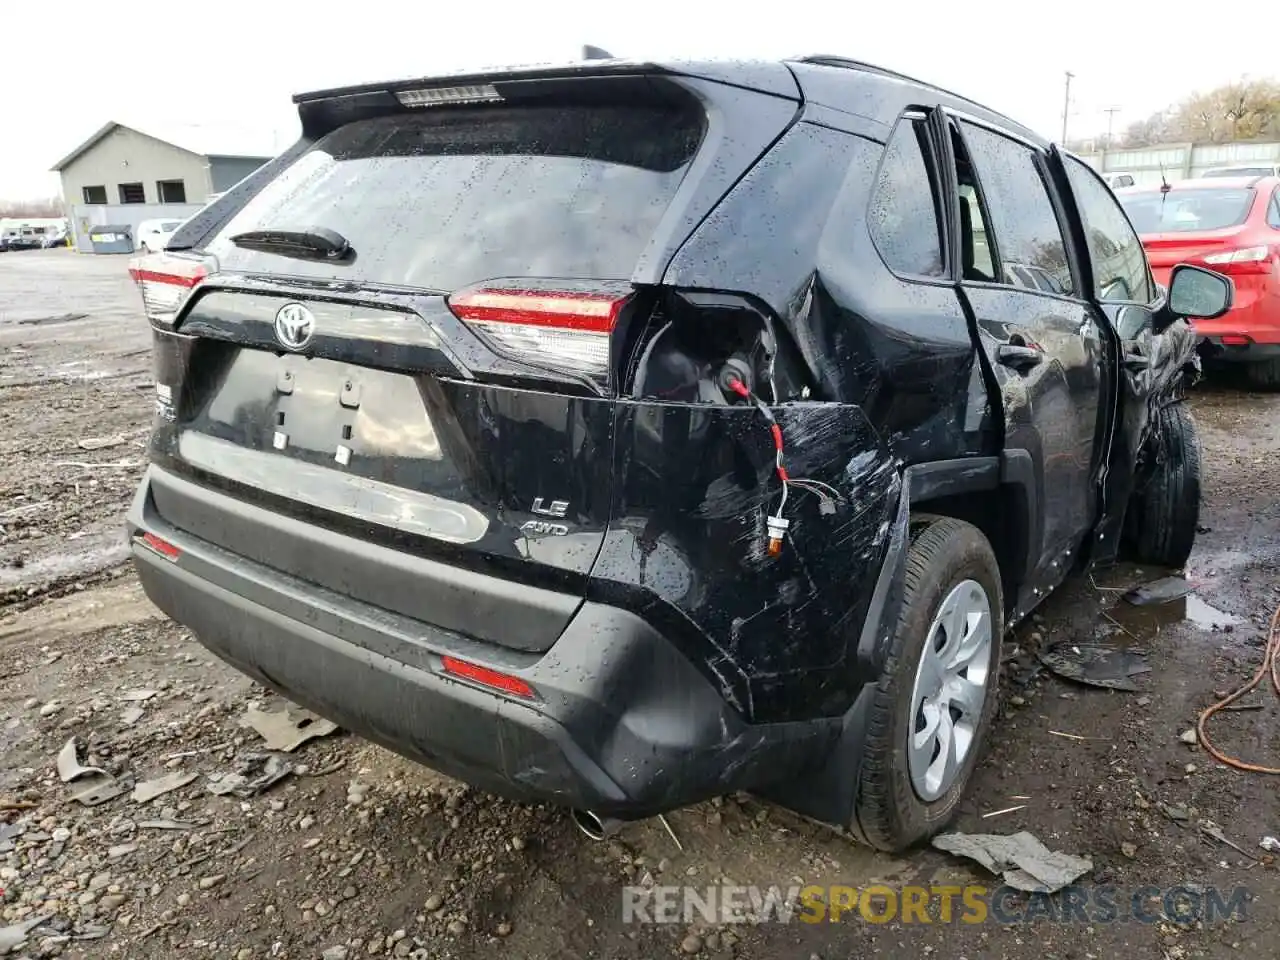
(1119, 263)
(903, 217)
(1021, 215)
(445, 198)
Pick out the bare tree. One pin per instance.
(1243, 110)
(32, 208)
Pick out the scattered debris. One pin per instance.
(1270, 844)
(1073, 736)
(148, 790)
(1211, 829)
(58, 318)
(674, 839)
(102, 443)
(131, 716)
(1179, 814)
(168, 824)
(15, 935)
(1000, 813)
(1024, 862)
(286, 730)
(98, 790)
(1189, 737)
(1129, 849)
(138, 696)
(255, 773)
(69, 768)
(1163, 590)
(1096, 665)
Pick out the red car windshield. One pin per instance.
(1187, 211)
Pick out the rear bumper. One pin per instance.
(1250, 331)
(1213, 350)
(622, 724)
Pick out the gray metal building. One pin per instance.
(122, 175)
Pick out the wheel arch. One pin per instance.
(998, 495)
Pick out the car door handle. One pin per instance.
(1019, 357)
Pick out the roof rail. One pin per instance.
(829, 60)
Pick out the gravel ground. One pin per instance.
(355, 852)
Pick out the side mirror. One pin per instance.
(1199, 294)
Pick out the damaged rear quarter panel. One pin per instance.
(687, 547)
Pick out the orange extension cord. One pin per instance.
(1271, 665)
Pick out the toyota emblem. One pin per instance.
(294, 326)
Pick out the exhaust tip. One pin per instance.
(593, 825)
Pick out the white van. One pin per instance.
(152, 235)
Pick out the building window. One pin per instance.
(95, 194)
(171, 191)
(132, 193)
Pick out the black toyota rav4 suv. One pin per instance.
(623, 434)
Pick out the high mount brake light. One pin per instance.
(567, 330)
(165, 282)
(441, 96)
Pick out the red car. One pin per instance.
(1231, 225)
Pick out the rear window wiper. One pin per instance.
(307, 243)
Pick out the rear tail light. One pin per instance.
(1235, 340)
(564, 329)
(486, 677)
(162, 547)
(1246, 260)
(165, 282)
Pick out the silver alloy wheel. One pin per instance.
(950, 690)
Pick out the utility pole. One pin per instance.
(1111, 116)
(1066, 107)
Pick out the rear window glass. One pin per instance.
(450, 197)
(1239, 172)
(1187, 210)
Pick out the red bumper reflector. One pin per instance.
(486, 677)
(1235, 340)
(162, 547)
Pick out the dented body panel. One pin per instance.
(346, 517)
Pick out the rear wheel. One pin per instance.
(1167, 510)
(1264, 374)
(933, 705)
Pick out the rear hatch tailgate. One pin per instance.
(441, 395)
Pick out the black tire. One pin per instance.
(889, 814)
(1265, 374)
(1167, 508)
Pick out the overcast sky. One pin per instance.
(78, 64)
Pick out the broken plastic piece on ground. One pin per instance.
(69, 768)
(1158, 591)
(286, 730)
(99, 789)
(1024, 862)
(168, 824)
(138, 696)
(1270, 844)
(255, 773)
(15, 935)
(148, 790)
(1098, 666)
